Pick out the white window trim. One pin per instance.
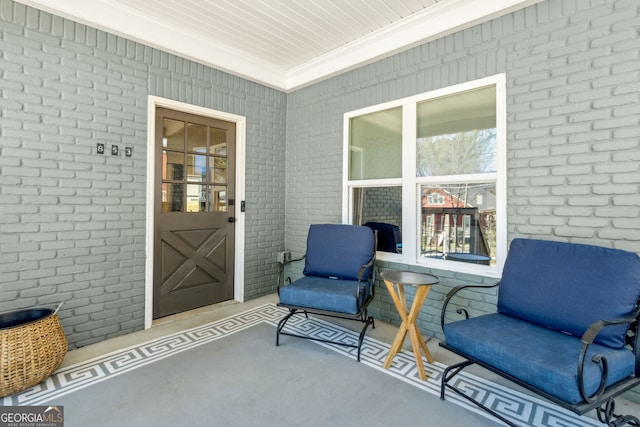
(411, 184)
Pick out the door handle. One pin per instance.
(232, 219)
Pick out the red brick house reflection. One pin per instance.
(451, 224)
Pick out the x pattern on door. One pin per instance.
(192, 258)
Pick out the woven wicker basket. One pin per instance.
(32, 346)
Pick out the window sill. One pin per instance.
(440, 264)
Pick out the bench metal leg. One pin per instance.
(606, 415)
(448, 375)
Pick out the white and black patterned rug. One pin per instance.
(521, 408)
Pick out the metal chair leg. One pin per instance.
(281, 324)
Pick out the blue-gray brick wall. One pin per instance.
(573, 128)
(72, 222)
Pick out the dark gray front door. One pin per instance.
(194, 228)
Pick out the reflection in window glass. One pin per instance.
(218, 197)
(172, 198)
(458, 222)
(173, 166)
(218, 142)
(219, 170)
(194, 173)
(375, 145)
(196, 138)
(456, 134)
(196, 168)
(173, 135)
(380, 208)
(196, 198)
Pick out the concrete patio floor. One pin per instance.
(384, 332)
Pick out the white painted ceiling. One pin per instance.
(285, 44)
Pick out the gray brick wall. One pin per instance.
(72, 222)
(572, 120)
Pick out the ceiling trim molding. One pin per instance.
(437, 21)
(132, 24)
(441, 19)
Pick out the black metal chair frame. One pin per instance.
(602, 400)
(361, 316)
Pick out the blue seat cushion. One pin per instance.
(325, 294)
(539, 356)
(567, 286)
(339, 250)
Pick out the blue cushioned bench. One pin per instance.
(566, 327)
(338, 278)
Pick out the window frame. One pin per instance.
(410, 183)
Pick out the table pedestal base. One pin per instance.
(409, 325)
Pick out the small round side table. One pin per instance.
(395, 282)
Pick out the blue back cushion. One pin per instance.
(567, 286)
(389, 235)
(338, 250)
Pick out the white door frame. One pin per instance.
(240, 121)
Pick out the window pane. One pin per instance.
(196, 198)
(381, 209)
(197, 138)
(219, 169)
(458, 222)
(173, 134)
(218, 143)
(218, 198)
(196, 168)
(375, 145)
(172, 166)
(456, 134)
(172, 198)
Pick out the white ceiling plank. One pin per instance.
(285, 44)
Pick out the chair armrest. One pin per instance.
(371, 280)
(453, 292)
(281, 272)
(596, 327)
(364, 268)
(587, 339)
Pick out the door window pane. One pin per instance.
(375, 145)
(218, 198)
(219, 169)
(173, 135)
(196, 198)
(172, 198)
(196, 138)
(196, 168)
(172, 166)
(218, 142)
(456, 134)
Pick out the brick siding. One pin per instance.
(573, 134)
(72, 223)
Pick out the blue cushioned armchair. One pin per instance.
(338, 278)
(566, 327)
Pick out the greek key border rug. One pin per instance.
(522, 409)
